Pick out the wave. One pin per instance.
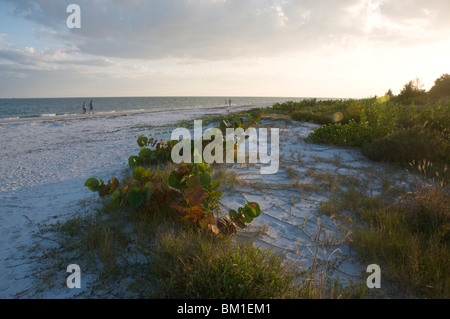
(115, 113)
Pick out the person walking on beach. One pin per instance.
(229, 102)
(91, 108)
(84, 107)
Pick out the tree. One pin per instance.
(411, 91)
(441, 88)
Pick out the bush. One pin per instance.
(351, 134)
(408, 145)
(308, 116)
(441, 88)
(412, 92)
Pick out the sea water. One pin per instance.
(32, 108)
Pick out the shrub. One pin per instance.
(412, 92)
(408, 145)
(308, 116)
(441, 88)
(351, 134)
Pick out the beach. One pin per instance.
(44, 164)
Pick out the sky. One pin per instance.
(280, 48)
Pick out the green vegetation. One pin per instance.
(411, 127)
(411, 239)
(155, 254)
(190, 265)
(407, 235)
(394, 133)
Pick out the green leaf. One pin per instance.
(145, 154)
(248, 218)
(133, 161)
(257, 208)
(135, 197)
(215, 184)
(93, 184)
(205, 179)
(148, 190)
(141, 174)
(174, 182)
(217, 194)
(142, 141)
(253, 209)
(233, 214)
(201, 167)
(117, 197)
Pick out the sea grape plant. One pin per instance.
(135, 194)
(191, 192)
(152, 152)
(245, 215)
(200, 195)
(192, 195)
(239, 219)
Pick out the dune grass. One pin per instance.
(407, 235)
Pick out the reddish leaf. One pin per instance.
(115, 183)
(180, 210)
(181, 171)
(194, 191)
(195, 213)
(206, 220)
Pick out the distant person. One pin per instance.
(226, 102)
(84, 107)
(229, 102)
(91, 108)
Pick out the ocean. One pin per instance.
(59, 107)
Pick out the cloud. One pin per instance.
(46, 59)
(204, 47)
(226, 29)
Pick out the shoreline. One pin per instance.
(114, 114)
